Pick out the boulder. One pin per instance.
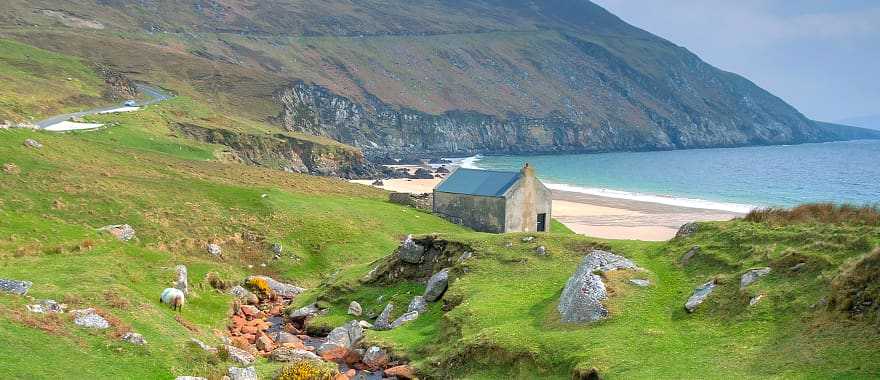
(798, 267)
(249, 373)
(203, 346)
(686, 258)
(687, 230)
(89, 318)
(31, 143)
(15, 287)
(640, 282)
(383, 321)
(752, 275)
(277, 248)
(418, 304)
(123, 232)
(410, 252)
(264, 343)
(541, 251)
(280, 288)
(754, 300)
(406, 317)
(401, 372)
(47, 306)
(134, 338)
(239, 356)
(341, 340)
(354, 308)
(375, 358)
(304, 312)
(182, 282)
(365, 324)
(582, 297)
(528, 239)
(283, 337)
(287, 354)
(437, 285)
(378, 182)
(700, 294)
(215, 250)
(10, 168)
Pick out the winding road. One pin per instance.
(154, 95)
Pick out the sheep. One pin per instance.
(173, 297)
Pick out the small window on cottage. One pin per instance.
(542, 222)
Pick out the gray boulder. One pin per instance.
(15, 287)
(418, 304)
(541, 251)
(686, 258)
(346, 337)
(280, 288)
(406, 317)
(304, 312)
(182, 282)
(240, 292)
(215, 250)
(375, 358)
(89, 318)
(31, 143)
(410, 252)
(752, 275)
(640, 282)
(354, 308)
(249, 373)
(47, 306)
(700, 294)
(437, 285)
(287, 354)
(383, 321)
(687, 230)
(239, 356)
(284, 337)
(582, 297)
(134, 338)
(277, 248)
(123, 232)
(203, 346)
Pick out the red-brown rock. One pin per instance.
(401, 371)
(264, 343)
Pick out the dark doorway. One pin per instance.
(542, 222)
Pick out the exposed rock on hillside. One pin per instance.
(581, 300)
(752, 275)
(700, 294)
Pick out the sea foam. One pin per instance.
(651, 198)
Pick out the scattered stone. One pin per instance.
(383, 321)
(134, 338)
(354, 308)
(181, 284)
(798, 267)
(365, 324)
(11, 168)
(401, 372)
(754, 300)
(378, 182)
(89, 318)
(465, 256)
(123, 232)
(411, 252)
(31, 143)
(375, 358)
(406, 317)
(47, 306)
(239, 356)
(640, 282)
(686, 258)
(215, 250)
(15, 287)
(240, 292)
(249, 373)
(277, 248)
(203, 346)
(341, 340)
(287, 354)
(582, 297)
(528, 239)
(700, 295)
(752, 275)
(304, 312)
(541, 251)
(437, 285)
(687, 230)
(418, 304)
(280, 288)
(264, 343)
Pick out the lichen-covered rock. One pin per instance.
(383, 322)
(418, 304)
(249, 373)
(410, 252)
(752, 275)
(239, 356)
(582, 297)
(134, 338)
(700, 294)
(215, 250)
(89, 318)
(687, 229)
(437, 285)
(280, 288)
(354, 308)
(286, 354)
(123, 232)
(15, 287)
(406, 317)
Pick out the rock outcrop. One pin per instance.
(437, 285)
(15, 286)
(89, 318)
(753, 275)
(700, 294)
(582, 297)
(123, 232)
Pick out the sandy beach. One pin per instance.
(595, 216)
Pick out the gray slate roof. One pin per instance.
(486, 183)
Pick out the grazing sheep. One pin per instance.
(173, 297)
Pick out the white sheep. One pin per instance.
(173, 297)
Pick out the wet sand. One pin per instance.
(596, 216)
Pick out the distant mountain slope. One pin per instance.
(428, 77)
(869, 121)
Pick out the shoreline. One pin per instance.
(598, 216)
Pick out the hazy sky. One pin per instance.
(823, 57)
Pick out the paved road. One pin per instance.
(154, 95)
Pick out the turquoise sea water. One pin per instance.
(733, 179)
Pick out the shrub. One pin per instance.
(307, 370)
(817, 213)
(260, 285)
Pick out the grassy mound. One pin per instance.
(857, 289)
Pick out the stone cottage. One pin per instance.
(494, 201)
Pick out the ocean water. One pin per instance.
(730, 179)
